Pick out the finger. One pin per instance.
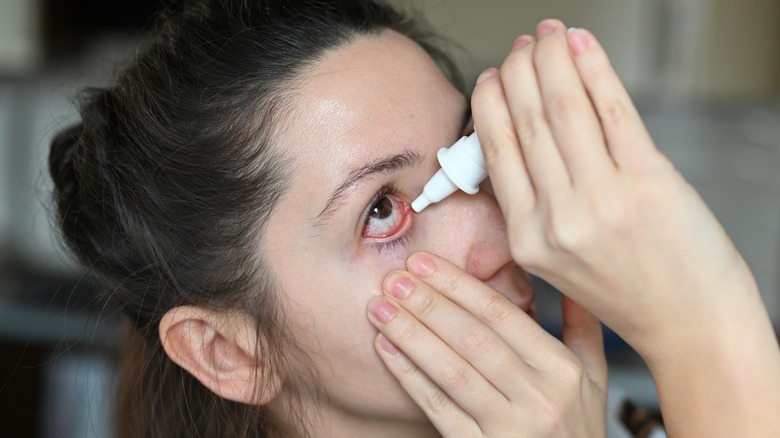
(448, 418)
(583, 335)
(449, 371)
(467, 335)
(518, 330)
(505, 164)
(569, 112)
(627, 138)
(545, 165)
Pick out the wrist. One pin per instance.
(713, 321)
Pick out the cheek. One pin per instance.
(442, 234)
(375, 261)
(326, 297)
(327, 315)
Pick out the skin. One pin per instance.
(370, 99)
(589, 204)
(582, 186)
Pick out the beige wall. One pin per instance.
(674, 48)
(21, 48)
(739, 49)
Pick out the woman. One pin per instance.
(243, 191)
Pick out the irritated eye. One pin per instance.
(387, 217)
(382, 209)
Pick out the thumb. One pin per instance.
(582, 334)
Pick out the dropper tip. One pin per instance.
(420, 203)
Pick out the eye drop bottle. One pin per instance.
(462, 167)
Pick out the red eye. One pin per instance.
(387, 217)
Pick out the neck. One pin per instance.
(323, 418)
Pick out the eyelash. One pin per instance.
(386, 190)
(392, 245)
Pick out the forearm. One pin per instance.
(722, 378)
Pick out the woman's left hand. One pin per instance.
(479, 366)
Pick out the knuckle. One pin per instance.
(562, 108)
(526, 250)
(572, 371)
(406, 368)
(496, 310)
(553, 408)
(529, 125)
(438, 401)
(547, 421)
(554, 413)
(562, 234)
(491, 150)
(493, 145)
(613, 111)
(598, 72)
(515, 64)
(543, 53)
(406, 330)
(426, 304)
(546, 411)
(477, 340)
(455, 375)
(446, 282)
(556, 417)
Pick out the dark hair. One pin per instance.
(164, 186)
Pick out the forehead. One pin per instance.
(373, 96)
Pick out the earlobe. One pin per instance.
(222, 351)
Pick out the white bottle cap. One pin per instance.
(462, 167)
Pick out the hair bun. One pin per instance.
(62, 157)
(66, 169)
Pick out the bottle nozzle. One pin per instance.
(420, 203)
(462, 166)
(438, 188)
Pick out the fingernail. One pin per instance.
(400, 287)
(521, 41)
(421, 265)
(578, 41)
(490, 71)
(382, 310)
(545, 27)
(386, 344)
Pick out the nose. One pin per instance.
(468, 230)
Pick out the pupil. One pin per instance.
(382, 209)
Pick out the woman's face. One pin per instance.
(362, 135)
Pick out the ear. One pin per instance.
(222, 351)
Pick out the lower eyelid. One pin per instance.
(393, 244)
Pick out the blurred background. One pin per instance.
(705, 75)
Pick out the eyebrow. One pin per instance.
(382, 166)
(389, 164)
